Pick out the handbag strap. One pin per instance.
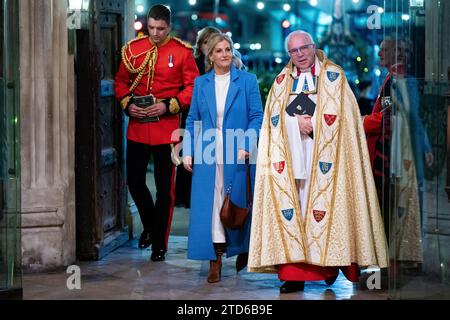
(248, 187)
(249, 191)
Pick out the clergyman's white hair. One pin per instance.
(297, 33)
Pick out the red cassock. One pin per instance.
(373, 123)
(167, 71)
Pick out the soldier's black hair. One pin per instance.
(160, 12)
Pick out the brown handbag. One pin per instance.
(232, 216)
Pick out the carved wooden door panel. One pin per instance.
(101, 192)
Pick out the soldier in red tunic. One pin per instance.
(164, 67)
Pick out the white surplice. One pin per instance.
(302, 146)
(222, 83)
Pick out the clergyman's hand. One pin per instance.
(304, 124)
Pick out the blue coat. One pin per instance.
(243, 110)
(419, 136)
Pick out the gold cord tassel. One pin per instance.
(150, 60)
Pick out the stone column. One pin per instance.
(47, 136)
(128, 28)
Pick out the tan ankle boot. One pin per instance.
(215, 266)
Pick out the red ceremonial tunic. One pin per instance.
(169, 71)
(373, 123)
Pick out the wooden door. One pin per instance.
(447, 188)
(101, 190)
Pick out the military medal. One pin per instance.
(170, 61)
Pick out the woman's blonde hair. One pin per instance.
(212, 42)
(203, 35)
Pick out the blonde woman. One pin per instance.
(225, 100)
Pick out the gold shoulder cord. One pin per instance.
(184, 43)
(150, 59)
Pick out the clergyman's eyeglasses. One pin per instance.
(301, 49)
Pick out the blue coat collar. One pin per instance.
(209, 91)
(234, 74)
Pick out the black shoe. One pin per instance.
(292, 286)
(331, 280)
(241, 261)
(158, 255)
(145, 240)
